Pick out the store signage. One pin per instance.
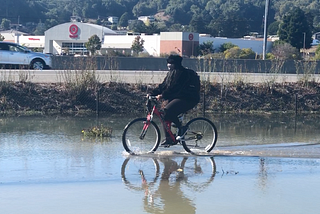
(73, 30)
(34, 39)
(190, 36)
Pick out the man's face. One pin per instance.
(170, 66)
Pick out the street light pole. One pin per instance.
(265, 30)
(304, 44)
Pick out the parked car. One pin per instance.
(14, 55)
(315, 42)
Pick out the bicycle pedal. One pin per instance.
(166, 146)
(180, 138)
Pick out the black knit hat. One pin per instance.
(174, 59)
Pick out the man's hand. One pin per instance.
(159, 96)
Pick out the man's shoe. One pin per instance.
(182, 132)
(167, 143)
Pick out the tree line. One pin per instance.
(227, 18)
(293, 20)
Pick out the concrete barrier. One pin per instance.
(146, 77)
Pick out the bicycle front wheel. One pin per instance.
(201, 136)
(139, 137)
(148, 169)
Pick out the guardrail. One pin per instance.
(200, 65)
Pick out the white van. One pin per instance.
(315, 42)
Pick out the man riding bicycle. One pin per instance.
(181, 88)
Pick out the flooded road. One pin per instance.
(260, 165)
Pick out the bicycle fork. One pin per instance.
(145, 126)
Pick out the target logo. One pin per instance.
(73, 30)
(190, 36)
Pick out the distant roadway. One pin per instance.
(143, 77)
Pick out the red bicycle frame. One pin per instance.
(152, 110)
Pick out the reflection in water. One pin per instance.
(45, 161)
(162, 193)
(263, 174)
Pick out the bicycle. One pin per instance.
(166, 178)
(142, 135)
(196, 173)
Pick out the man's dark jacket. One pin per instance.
(180, 83)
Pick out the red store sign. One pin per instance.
(73, 30)
(34, 39)
(190, 36)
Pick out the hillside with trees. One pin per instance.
(227, 18)
(294, 21)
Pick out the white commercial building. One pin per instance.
(12, 35)
(255, 44)
(31, 41)
(124, 42)
(71, 38)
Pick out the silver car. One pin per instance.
(12, 54)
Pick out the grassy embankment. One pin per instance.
(83, 92)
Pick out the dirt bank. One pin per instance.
(118, 98)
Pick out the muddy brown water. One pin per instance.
(260, 165)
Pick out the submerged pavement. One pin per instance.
(287, 150)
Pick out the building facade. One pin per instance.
(12, 35)
(71, 37)
(182, 43)
(123, 43)
(254, 44)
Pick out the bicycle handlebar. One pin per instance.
(152, 97)
(149, 99)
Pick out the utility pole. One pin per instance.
(18, 26)
(265, 30)
(7, 10)
(304, 45)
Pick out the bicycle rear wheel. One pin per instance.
(140, 138)
(201, 136)
(199, 171)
